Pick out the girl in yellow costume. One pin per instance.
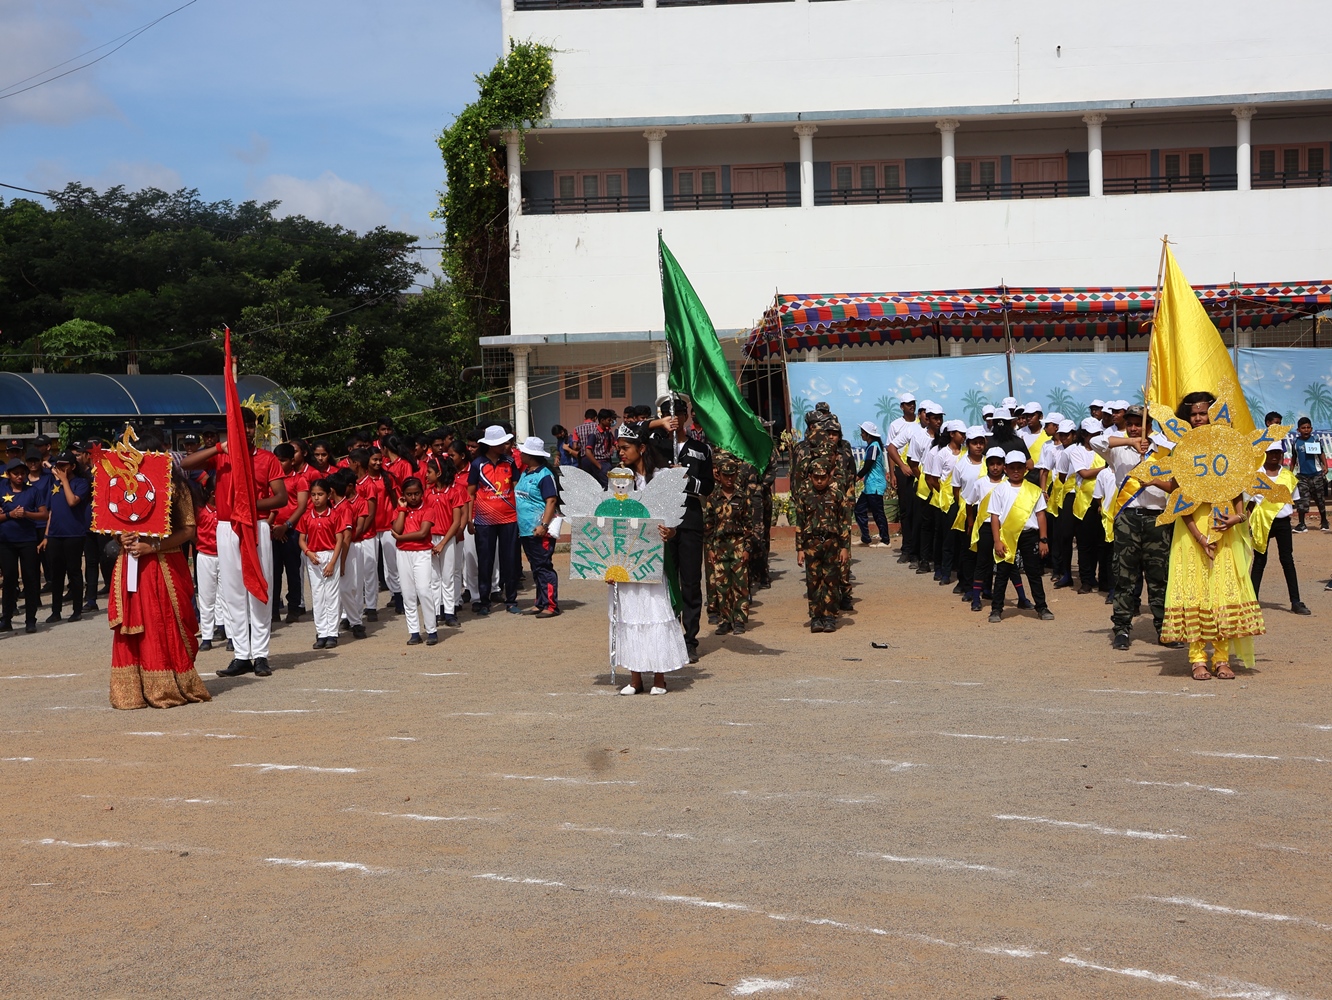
(1209, 596)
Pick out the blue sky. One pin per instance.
(331, 106)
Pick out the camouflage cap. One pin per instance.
(820, 467)
(725, 463)
(822, 407)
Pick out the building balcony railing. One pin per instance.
(673, 202)
(1293, 179)
(1184, 182)
(573, 4)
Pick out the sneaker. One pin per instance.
(319, 644)
(996, 616)
(30, 627)
(738, 628)
(371, 614)
(432, 638)
(205, 646)
(358, 631)
(414, 639)
(6, 626)
(91, 606)
(975, 604)
(261, 667)
(1024, 604)
(1062, 582)
(293, 616)
(816, 624)
(693, 654)
(1121, 641)
(481, 609)
(959, 588)
(923, 567)
(657, 690)
(830, 624)
(513, 609)
(1045, 615)
(864, 543)
(845, 604)
(235, 668)
(331, 642)
(54, 616)
(1300, 608)
(723, 628)
(1300, 527)
(452, 621)
(629, 689)
(1325, 527)
(1329, 585)
(476, 605)
(714, 619)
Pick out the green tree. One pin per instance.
(77, 345)
(973, 404)
(799, 407)
(1061, 401)
(887, 410)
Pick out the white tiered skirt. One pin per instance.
(645, 635)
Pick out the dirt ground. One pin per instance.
(978, 811)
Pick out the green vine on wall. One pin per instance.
(474, 208)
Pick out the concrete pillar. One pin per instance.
(806, 134)
(514, 166)
(955, 348)
(1100, 346)
(522, 426)
(1246, 337)
(1244, 147)
(812, 354)
(947, 127)
(656, 194)
(663, 369)
(1095, 172)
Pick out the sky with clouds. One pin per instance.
(330, 106)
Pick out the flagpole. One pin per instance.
(1151, 332)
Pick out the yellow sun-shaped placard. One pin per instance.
(1212, 464)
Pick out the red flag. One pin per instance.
(244, 500)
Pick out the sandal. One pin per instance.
(1222, 670)
(1201, 673)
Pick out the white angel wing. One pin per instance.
(579, 492)
(664, 497)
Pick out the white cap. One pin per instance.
(1118, 404)
(925, 404)
(1091, 425)
(1002, 414)
(977, 431)
(1277, 446)
(1066, 426)
(1033, 408)
(1015, 458)
(495, 435)
(1097, 402)
(870, 428)
(1009, 402)
(907, 397)
(995, 452)
(987, 410)
(931, 407)
(534, 446)
(955, 425)
(1054, 418)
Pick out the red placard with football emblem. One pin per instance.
(132, 491)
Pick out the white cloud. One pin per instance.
(36, 37)
(331, 199)
(255, 153)
(133, 174)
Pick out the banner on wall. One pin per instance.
(1293, 381)
(1067, 383)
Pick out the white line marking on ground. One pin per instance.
(1310, 725)
(1170, 694)
(405, 739)
(18, 758)
(945, 863)
(423, 818)
(1183, 784)
(347, 690)
(823, 701)
(1199, 904)
(673, 749)
(1094, 827)
(50, 842)
(1223, 988)
(737, 723)
(571, 828)
(36, 677)
(151, 798)
(493, 877)
(271, 711)
(341, 866)
(1010, 739)
(448, 673)
(567, 781)
(211, 736)
(1257, 756)
(893, 680)
(266, 768)
(898, 765)
(473, 714)
(757, 984)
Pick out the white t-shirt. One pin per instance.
(964, 474)
(1051, 455)
(979, 489)
(944, 463)
(1106, 486)
(1122, 460)
(1028, 435)
(1001, 502)
(896, 426)
(1076, 459)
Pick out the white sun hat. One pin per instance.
(870, 428)
(495, 435)
(1010, 402)
(1033, 408)
(534, 446)
(1002, 413)
(987, 410)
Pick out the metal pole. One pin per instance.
(1234, 318)
(1008, 336)
(615, 628)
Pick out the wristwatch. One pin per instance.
(1045, 541)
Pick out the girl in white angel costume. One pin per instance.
(645, 636)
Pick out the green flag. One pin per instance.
(699, 370)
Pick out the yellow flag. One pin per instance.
(1187, 354)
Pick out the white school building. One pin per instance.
(839, 146)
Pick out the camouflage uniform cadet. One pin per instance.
(764, 549)
(728, 525)
(844, 480)
(823, 532)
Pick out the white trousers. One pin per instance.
(324, 595)
(351, 593)
(468, 561)
(446, 575)
(366, 551)
(206, 569)
(389, 550)
(246, 618)
(418, 596)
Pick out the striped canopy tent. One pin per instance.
(808, 322)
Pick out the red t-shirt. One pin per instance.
(494, 490)
(205, 530)
(399, 471)
(344, 515)
(266, 469)
(320, 530)
(414, 521)
(296, 483)
(368, 487)
(357, 511)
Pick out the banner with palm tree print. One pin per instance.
(1293, 381)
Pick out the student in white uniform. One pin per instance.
(1018, 536)
(946, 457)
(970, 467)
(1270, 522)
(1031, 430)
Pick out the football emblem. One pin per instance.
(131, 499)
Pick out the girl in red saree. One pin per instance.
(153, 643)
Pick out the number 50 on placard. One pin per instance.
(1210, 465)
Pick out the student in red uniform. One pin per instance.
(286, 546)
(321, 458)
(357, 558)
(490, 483)
(445, 565)
(370, 488)
(206, 568)
(321, 540)
(248, 620)
(397, 452)
(411, 535)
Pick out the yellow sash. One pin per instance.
(1023, 505)
(1085, 487)
(982, 515)
(1058, 490)
(943, 496)
(1037, 444)
(922, 487)
(1265, 512)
